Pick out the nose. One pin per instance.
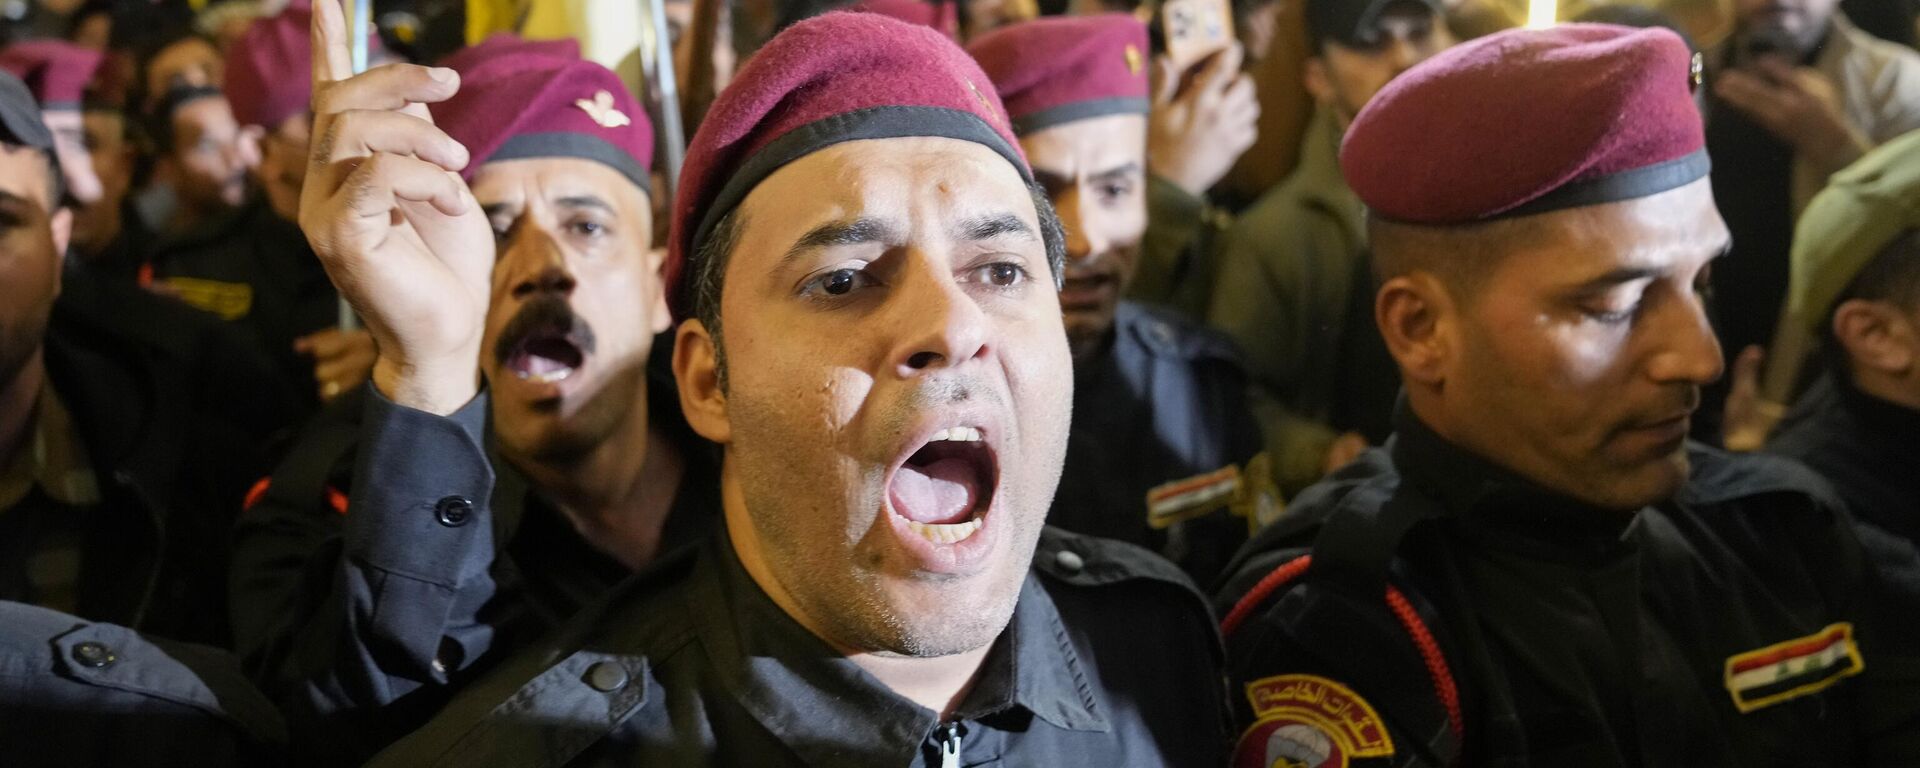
(1402, 54)
(1689, 351)
(940, 325)
(1084, 238)
(539, 264)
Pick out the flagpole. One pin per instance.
(666, 94)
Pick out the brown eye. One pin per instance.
(1004, 274)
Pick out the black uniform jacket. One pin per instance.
(1453, 613)
(1161, 442)
(1109, 660)
(1867, 447)
(78, 693)
(254, 270)
(161, 401)
(394, 556)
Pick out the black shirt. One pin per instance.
(1164, 402)
(1108, 660)
(1868, 447)
(1586, 637)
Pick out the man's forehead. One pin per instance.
(1099, 144)
(23, 173)
(557, 181)
(885, 178)
(1678, 230)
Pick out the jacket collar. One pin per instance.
(1484, 497)
(832, 712)
(1321, 182)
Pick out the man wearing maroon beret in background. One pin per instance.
(96, 155)
(58, 74)
(1539, 569)
(294, 308)
(363, 615)
(870, 328)
(1161, 431)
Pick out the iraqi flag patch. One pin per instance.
(1170, 503)
(1794, 668)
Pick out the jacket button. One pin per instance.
(1069, 561)
(93, 655)
(606, 677)
(453, 511)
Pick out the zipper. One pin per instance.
(949, 740)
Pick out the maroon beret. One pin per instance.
(826, 80)
(1529, 121)
(497, 45)
(1064, 68)
(942, 16)
(270, 68)
(527, 104)
(57, 72)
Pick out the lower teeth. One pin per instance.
(944, 533)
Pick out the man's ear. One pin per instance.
(659, 317)
(1416, 318)
(1318, 81)
(696, 368)
(62, 223)
(1875, 335)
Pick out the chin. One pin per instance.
(1651, 483)
(943, 619)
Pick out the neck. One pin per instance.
(17, 399)
(938, 683)
(1898, 390)
(106, 229)
(619, 494)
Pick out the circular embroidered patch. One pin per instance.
(1307, 721)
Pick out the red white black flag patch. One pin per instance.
(1794, 668)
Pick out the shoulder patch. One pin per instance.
(1308, 721)
(1794, 668)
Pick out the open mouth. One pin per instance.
(545, 342)
(943, 489)
(546, 357)
(1087, 289)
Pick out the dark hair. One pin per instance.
(1630, 15)
(709, 268)
(159, 122)
(1891, 276)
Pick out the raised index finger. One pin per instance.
(332, 62)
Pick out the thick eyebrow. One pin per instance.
(1626, 275)
(496, 209)
(989, 227)
(1615, 277)
(11, 200)
(1127, 169)
(584, 201)
(841, 233)
(1050, 180)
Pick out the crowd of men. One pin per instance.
(1557, 404)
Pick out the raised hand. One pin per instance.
(1201, 125)
(397, 230)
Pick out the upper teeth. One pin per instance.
(546, 378)
(957, 434)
